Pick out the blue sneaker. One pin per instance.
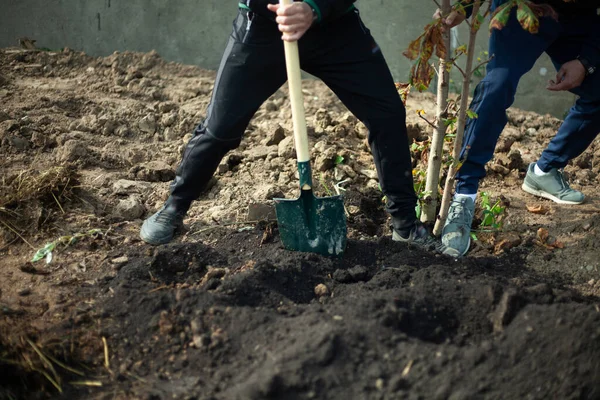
(551, 186)
(161, 227)
(456, 235)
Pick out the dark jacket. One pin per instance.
(576, 7)
(586, 10)
(326, 9)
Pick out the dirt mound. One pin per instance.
(384, 322)
(90, 144)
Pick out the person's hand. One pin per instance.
(570, 76)
(455, 18)
(294, 19)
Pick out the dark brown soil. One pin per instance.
(225, 312)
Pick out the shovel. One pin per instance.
(308, 223)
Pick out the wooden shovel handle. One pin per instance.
(292, 62)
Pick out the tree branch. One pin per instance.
(483, 63)
(428, 122)
(460, 69)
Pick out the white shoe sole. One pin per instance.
(548, 196)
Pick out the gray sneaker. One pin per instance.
(456, 235)
(419, 236)
(160, 227)
(551, 186)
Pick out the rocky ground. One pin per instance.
(88, 147)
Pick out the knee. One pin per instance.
(388, 132)
(204, 141)
(224, 129)
(395, 109)
(220, 136)
(588, 106)
(501, 84)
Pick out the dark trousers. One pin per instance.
(515, 52)
(344, 55)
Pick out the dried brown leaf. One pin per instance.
(542, 235)
(538, 208)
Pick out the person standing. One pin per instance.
(572, 40)
(335, 46)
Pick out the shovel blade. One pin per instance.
(311, 224)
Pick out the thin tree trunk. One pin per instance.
(460, 130)
(437, 142)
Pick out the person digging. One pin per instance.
(335, 46)
(572, 40)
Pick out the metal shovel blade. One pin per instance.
(311, 224)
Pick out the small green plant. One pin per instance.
(419, 182)
(492, 214)
(420, 146)
(48, 250)
(324, 185)
(338, 160)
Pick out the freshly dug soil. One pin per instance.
(224, 312)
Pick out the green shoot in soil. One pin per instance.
(47, 250)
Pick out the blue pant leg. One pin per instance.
(578, 131)
(582, 124)
(514, 52)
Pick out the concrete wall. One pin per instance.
(195, 32)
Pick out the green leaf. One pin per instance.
(472, 114)
(527, 18)
(339, 160)
(477, 22)
(485, 200)
(461, 50)
(41, 253)
(38, 255)
(474, 236)
(448, 121)
(501, 15)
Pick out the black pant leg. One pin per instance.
(348, 60)
(252, 69)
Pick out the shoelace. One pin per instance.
(423, 238)
(458, 209)
(562, 181)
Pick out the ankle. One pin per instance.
(459, 196)
(538, 171)
(176, 207)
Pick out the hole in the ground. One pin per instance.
(421, 319)
(268, 284)
(183, 263)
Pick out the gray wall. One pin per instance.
(194, 32)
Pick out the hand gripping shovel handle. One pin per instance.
(292, 62)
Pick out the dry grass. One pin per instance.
(35, 368)
(27, 196)
(31, 185)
